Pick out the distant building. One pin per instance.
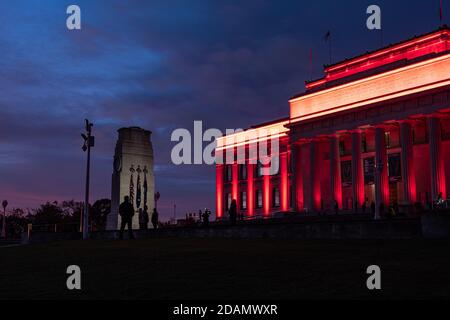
(376, 127)
(132, 174)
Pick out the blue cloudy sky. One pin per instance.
(161, 65)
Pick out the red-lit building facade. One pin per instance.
(375, 128)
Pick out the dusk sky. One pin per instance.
(161, 65)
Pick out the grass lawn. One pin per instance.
(226, 269)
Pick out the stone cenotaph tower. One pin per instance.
(132, 174)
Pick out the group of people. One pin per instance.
(126, 211)
(203, 216)
(393, 210)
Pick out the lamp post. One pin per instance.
(88, 143)
(4, 205)
(157, 196)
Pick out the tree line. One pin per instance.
(57, 216)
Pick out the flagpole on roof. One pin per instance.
(441, 13)
(327, 38)
(329, 48)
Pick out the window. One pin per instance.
(274, 165)
(275, 197)
(346, 173)
(228, 200)
(341, 148)
(394, 167)
(242, 172)
(364, 142)
(369, 170)
(259, 169)
(228, 173)
(259, 200)
(445, 129)
(388, 139)
(244, 200)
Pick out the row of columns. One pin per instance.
(265, 185)
(381, 171)
(307, 154)
(438, 185)
(311, 198)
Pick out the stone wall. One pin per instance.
(428, 226)
(394, 229)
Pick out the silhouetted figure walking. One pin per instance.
(364, 206)
(126, 211)
(155, 218)
(372, 208)
(396, 208)
(143, 219)
(336, 207)
(232, 211)
(205, 217)
(439, 200)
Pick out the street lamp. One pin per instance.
(88, 143)
(4, 205)
(157, 196)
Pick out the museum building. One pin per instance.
(375, 128)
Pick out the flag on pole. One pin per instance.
(138, 190)
(132, 186)
(327, 38)
(145, 187)
(131, 189)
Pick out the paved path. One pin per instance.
(9, 243)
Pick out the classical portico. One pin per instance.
(372, 133)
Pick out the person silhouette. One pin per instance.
(232, 211)
(155, 218)
(126, 211)
(372, 208)
(205, 217)
(143, 219)
(364, 205)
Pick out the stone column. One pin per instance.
(133, 156)
(436, 162)
(335, 171)
(235, 184)
(250, 189)
(219, 191)
(357, 170)
(314, 201)
(407, 158)
(267, 193)
(296, 177)
(381, 172)
(284, 182)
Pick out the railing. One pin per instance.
(54, 227)
(441, 204)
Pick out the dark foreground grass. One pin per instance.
(226, 269)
